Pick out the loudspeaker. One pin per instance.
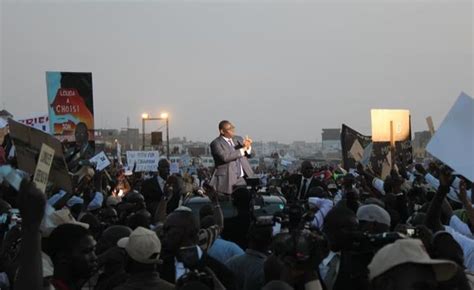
(156, 138)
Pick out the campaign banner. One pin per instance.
(40, 122)
(70, 104)
(353, 144)
(144, 161)
(357, 147)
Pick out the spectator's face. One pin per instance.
(109, 216)
(307, 169)
(164, 169)
(176, 233)
(81, 134)
(83, 259)
(408, 277)
(228, 131)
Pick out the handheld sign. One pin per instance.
(43, 167)
(145, 161)
(101, 161)
(453, 142)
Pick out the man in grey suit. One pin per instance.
(230, 155)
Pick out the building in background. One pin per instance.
(331, 140)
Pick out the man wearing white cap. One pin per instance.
(143, 248)
(405, 265)
(373, 219)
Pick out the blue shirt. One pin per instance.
(223, 250)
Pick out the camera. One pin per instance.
(296, 216)
(195, 276)
(301, 247)
(364, 242)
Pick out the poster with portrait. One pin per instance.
(70, 106)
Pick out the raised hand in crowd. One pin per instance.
(31, 203)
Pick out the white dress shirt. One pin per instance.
(161, 183)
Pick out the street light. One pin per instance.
(163, 117)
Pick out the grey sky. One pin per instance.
(280, 71)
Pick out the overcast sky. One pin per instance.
(280, 71)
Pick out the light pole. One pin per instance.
(163, 117)
(144, 118)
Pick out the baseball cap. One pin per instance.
(373, 213)
(409, 251)
(143, 246)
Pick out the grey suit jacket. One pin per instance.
(226, 171)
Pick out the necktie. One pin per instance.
(331, 275)
(303, 188)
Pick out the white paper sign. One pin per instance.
(453, 142)
(174, 168)
(101, 161)
(43, 167)
(145, 160)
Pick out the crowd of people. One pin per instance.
(338, 230)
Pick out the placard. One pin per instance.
(381, 124)
(101, 160)
(145, 161)
(453, 142)
(43, 167)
